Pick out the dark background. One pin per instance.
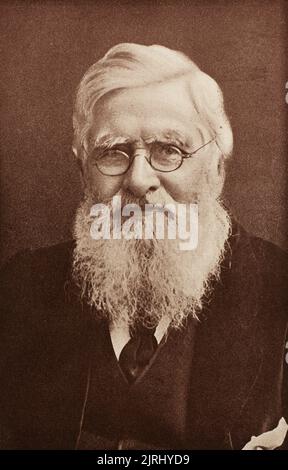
(46, 46)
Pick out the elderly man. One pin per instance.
(133, 343)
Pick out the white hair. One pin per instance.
(131, 65)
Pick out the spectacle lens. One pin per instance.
(162, 157)
(113, 162)
(165, 157)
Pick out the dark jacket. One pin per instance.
(239, 385)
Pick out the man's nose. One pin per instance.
(141, 177)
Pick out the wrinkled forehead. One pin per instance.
(162, 110)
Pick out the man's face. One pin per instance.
(161, 112)
(144, 279)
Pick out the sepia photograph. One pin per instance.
(144, 222)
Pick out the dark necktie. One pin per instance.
(138, 352)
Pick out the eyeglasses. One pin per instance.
(163, 157)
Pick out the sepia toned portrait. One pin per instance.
(144, 268)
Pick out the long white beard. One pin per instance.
(143, 280)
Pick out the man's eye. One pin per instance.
(171, 148)
(168, 151)
(99, 154)
(109, 154)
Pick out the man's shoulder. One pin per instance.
(267, 256)
(265, 265)
(40, 309)
(44, 256)
(31, 272)
(48, 257)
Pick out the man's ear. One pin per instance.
(221, 174)
(221, 168)
(80, 166)
(217, 174)
(82, 173)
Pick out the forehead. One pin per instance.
(164, 110)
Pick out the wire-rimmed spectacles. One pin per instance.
(164, 157)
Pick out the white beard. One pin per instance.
(143, 280)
